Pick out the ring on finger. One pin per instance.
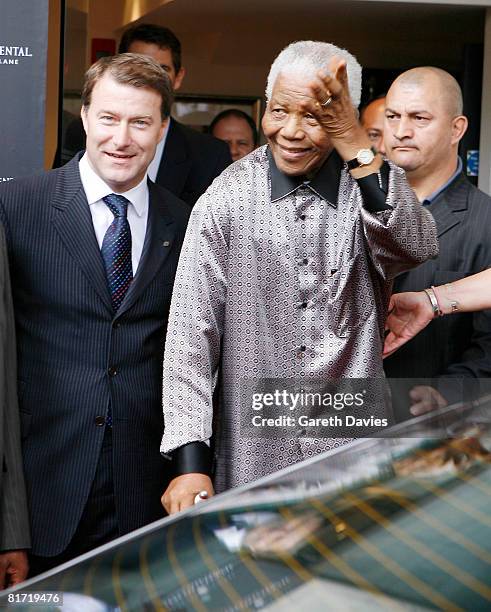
(327, 102)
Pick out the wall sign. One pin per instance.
(472, 163)
(23, 48)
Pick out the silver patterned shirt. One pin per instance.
(278, 283)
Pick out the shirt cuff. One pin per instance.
(374, 188)
(194, 457)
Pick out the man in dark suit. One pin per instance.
(93, 250)
(186, 161)
(14, 522)
(423, 127)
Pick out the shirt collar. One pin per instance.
(153, 168)
(96, 189)
(429, 199)
(325, 183)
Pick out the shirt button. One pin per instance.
(303, 348)
(112, 371)
(100, 420)
(302, 217)
(303, 305)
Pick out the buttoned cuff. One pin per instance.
(374, 189)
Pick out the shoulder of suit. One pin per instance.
(201, 140)
(35, 184)
(478, 195)
(177, 207)
(475, 196)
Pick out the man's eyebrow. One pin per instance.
(416, 111)
(115, 114)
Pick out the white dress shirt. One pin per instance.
(153, 168)
(96, 189)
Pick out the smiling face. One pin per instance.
(298, 143)
(421, 131)
(123, 126)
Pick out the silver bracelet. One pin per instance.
(434, 302)
(454, 305)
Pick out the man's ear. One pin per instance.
(459, 128)
(83, 115)
(179, 78)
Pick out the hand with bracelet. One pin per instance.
(411, 312)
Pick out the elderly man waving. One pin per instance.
(285, 272)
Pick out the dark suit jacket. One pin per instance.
(14, 521)
(75, 356)
(190, 161)
(458, 345)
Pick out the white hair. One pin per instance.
(307, 57)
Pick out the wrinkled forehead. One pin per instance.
(292, 84)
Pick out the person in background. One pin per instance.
(423, 127)
(237, 129)
(186, 161)
(14, 519)
(372, 119)
(285, 273)
(93, 249)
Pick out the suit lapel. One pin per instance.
(175, 164)
(158, 245)
(73, 222)
(449, 209)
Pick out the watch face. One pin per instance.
(365, 157)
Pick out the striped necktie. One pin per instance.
(116, 249)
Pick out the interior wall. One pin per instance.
(52, 83)
(108, 16)
(229, 51)
(76, 55)
(485, 144)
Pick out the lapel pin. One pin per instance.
(166, 243)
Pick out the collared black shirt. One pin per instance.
(325, 183)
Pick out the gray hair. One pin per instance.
(307, 57)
